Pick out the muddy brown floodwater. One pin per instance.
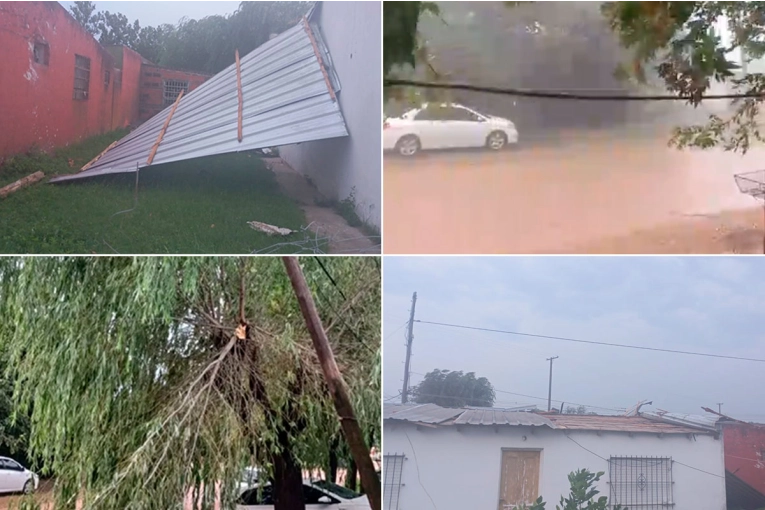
(590, 193)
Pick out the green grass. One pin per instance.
(198, 206)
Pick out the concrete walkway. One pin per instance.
(323, 221)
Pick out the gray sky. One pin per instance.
(151, 13)
(706, 304)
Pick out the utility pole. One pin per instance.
(409, 338)
(719, 407)
(549, 388)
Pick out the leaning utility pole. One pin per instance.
(336, 384)
(549, 388)
(409, 338)
(719, 407)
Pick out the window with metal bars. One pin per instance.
(641, 483)
(172, 88)
(81, 77)
(393, 465)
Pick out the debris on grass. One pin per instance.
(269, 229)
(21, 183)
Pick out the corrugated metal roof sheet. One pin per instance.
(433, 414)
(692, 420)
(286, 100)
(421, 413)
(618, 424)
(501, 417)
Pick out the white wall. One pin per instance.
(352, 31)
(460, 470)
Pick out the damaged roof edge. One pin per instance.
(286, 100)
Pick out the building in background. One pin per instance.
(493, 459)
(349, 167)
(59, 85)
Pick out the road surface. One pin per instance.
(555, 197)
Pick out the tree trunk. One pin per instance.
(26, 181)
(288, 478)
(353, 474)
(332, 474)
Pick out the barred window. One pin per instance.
(81, 77)
(41, 53)
(172, 88)
(393, 464)
(641, 483)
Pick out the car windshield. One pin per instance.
(336, 489)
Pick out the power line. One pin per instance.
(395, 331)
(592, 342)
(557, 95)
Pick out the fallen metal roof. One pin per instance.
(288, 88)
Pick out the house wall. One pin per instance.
(461, 469)
(745, 452)
(36, 105)
(127, 103)
(152, 90)
(341, 166)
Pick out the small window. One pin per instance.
(641, 482)
(392, 467)
(107, 76)
(42, 53)
(81, 77)
(172, 88)
(462, 115)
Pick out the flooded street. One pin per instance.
(568, 196)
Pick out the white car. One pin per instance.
(446, 126)
(16, 478)
(318, 495)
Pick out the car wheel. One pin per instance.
(408, 146)
(497, 140)
(29, 487)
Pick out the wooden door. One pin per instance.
(519, 482)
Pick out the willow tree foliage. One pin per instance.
(681, 41)
(153, 380)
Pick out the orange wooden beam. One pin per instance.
(318, 56)
(164, 128)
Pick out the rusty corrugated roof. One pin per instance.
(619, 424)
(442, 416)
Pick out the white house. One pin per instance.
(492, 459)
(349, 167)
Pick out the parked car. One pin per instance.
(446, 126)
(318, 495)
(16, 478)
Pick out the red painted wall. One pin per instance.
(744, 445)
(36, 100)
(126, 99)
(37, 108)
(152, 90)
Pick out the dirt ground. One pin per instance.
(324, 221)
(591, 193)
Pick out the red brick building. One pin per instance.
(745, 452)
(59, 85)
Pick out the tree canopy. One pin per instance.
(143, 386)
(677, 42)
(206, 45)
(454, 389)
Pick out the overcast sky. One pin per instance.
(707, 304)
(151, 13)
